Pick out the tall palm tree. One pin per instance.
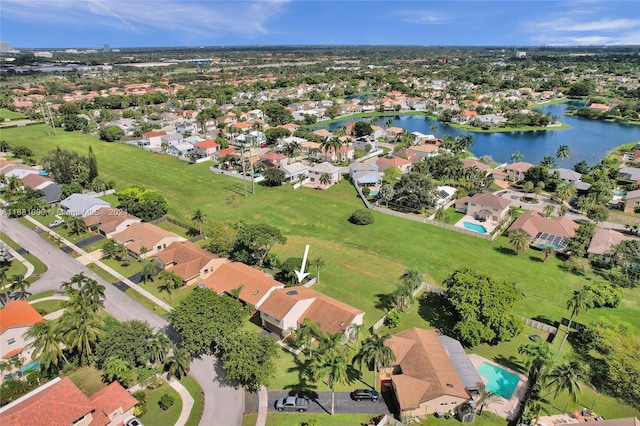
(160, 347)
(329, 342)
(317, 263)
(537, 356)
(82, 334)
(549, 209)
(150, 269)
(325, 179)
(485, 397)
(580, 301)
(169, 281)
(307, 332)
(292, 149)
(179, 363)
(562, 152)
(519, 241)
(548, 162)
(199, 218)
(548, 250)
(18, 283)
(566, 376)
(75, 225)
(412, 277)
(333, 367)
(44, 341)
(517, 156)
(375, 353)
(92, 291)
(355, 333)
(565, 191)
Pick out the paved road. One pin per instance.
(224, 404)
(321, 403)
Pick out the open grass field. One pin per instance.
(8, 114)
(296, 419)
(88, 379)
(361, 262)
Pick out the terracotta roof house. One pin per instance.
(190, 261)
(273, 159)
(394, 132)
(545, 231)
(255, 286)
(285, 309)
(61, 402)
(600, 107)
(36, 181)
(145, 239)
(422, 376)
(484, 207)
(244, 126)
(323, 133)
(632, 201)
(82, 205)
(15, 319)
(603, 241)
(223, 152)
(516, 171)
(110, 220)
(636, 157)
(152, 140)
(317, 170)
(342, 153)
(207, 147)
(468, 164)
(292, 127)
(402, 164)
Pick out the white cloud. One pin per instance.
(422, 17)
(195, 18)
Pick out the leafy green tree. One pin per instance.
(150, 268)
(361, 217)
(580, 301)
(221, 238)
(375, 353)
(414, 191)
(116, 369)
(482, 307)
(70, 188)
(274, 134)
(99, 185)
(362, 128)
(538, 356)
(520, 241)
(274, 177)
(205, 319)
(249, 359)
(254, 242)
(146, 204)
(114, 250)
(130, 341)
(92, 165)
(333, 367)
(277, 114)
(111, 133)
(160, 346)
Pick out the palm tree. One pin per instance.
(355, 333)
(292, 149)
(549, 209)
(548, 162)
(566, 376)
(179, 363)
(485, 397)
(538, 188)
(18, 283)
(325, 179)
(562, 152)
(329, 342)
(565, 191)
(318, 263)
(403, 296)
(412, 278)
(98, 184)
(92, 291)
(75, 225)
(519, 241)
(537, 355)
(198, 218)
(44, 341)
(548, 250)
(375, 353)
(81, 334)
(580, 301)
(388, 122)
(307, 332)
(160, 346)
(517, 156)
(169, 281)
(333, 367)
(115, 368)
(150, 269)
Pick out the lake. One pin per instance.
(587, 139)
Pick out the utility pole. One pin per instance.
(244, 171)
(253, 177)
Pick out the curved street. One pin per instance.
(224, 404)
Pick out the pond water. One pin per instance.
(587, 139)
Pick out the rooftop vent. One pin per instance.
(292, 292)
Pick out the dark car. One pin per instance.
(360, 394)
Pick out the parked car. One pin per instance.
(133, 421)
(360, 394)
(292, 403)
(56, 223)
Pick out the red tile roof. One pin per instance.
(209, 143)
(243, 125)
(253, 284)
(13, 353)
(61, 403)
(34, 180)
(186, 257)
(111, 398)
(533, 222)
(18, 313)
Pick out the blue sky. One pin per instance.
(149, 23)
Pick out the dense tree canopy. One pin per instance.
(129, 341)
(483, 307)
(414, 191)
(249, 359)
(146, 204)
(254, 242)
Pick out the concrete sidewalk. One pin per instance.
(187, 401)
(263, 406)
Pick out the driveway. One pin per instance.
(224, 404)
(320, 402)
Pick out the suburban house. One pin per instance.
(109, 220)
(516, 171)
(252, 138)
(469, 164)
(630, 173)
(444, 194)
(294, 171)
(253, 286)
(359, 167)
(145, 239)
(152, 140)
(180, 149)
(402, 164)
(368, 143)
(568, 175)
(424, 151)
(317, 170)
(394, 132)
(20, 171)
(603, 241)
(423, 378)
(36, 181)
(545, 231)
(324, 133)
(171, 139)
(274, 160)
(484, 207)
(82, 205)
(61, 402)
(343, 153)
(52, 193)
(285, 309)
(632, 201)
(291, 127)
(189, 261)
(206, 148)
(15, 319)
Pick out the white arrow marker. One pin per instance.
(301, 274)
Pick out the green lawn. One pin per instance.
(155, 415)
(18, 267)
(8, 114)
(198, 400)
(88, 379)
(178, 230)
(48, 306)
(296, 419)
(40, 295)
(250, 420)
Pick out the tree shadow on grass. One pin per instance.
(434, 308)
(505, 250)
(536, 259)
(385, 301)
(303, 368)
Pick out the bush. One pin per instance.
(361, 217)
(141, 396)
(577, 266)
(604, 294)
(366, 191)
(166, 401)
(392, 319)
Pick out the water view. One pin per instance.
(587, 139)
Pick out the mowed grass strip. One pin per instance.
(321, 216)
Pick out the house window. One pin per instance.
(445, 403)
(159, 247)
(11, 341)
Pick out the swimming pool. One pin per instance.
(473, 227)
(501, 382)
(619, 192)
(33, 365)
